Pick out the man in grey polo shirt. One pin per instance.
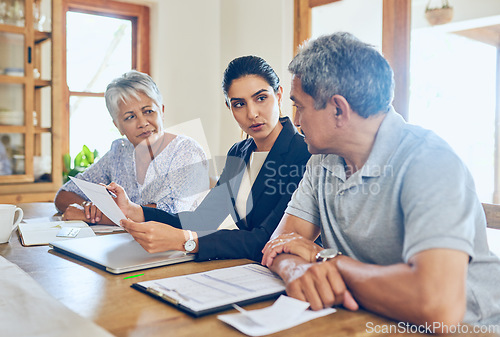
(394, 199)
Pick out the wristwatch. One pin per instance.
(190, 244)
(327, 254)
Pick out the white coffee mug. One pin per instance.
(7, 223)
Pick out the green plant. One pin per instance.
(83, 159)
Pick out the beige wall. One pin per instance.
(192, 41)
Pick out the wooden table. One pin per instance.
(109, 301)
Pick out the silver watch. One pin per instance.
(327, 254)
(190, 244)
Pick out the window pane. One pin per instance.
(42, 160)
(99, 49)
(11, 54)
(11, 104)
(91, 125)
(12, 153)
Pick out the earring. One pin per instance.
(281, 114)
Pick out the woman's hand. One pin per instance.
(155, 237)
(129, 209)
(290, 243)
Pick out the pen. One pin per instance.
(111, 194)
(162, 295)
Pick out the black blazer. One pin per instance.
(272, 190)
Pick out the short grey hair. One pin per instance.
(128, 85)
(340, 64)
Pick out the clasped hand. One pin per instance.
(320, 284)
(290, 243)
(86, 211)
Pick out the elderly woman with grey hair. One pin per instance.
(156, 168)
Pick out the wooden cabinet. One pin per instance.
(31, 101)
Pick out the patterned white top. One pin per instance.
(175, 180)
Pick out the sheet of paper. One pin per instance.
(44, 219)
(284, 314)
(106, 228)
(101, 198)
(219, 287)
(26, 309)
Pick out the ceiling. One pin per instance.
(487, 34)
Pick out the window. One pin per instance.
(103, 41)
(453, 94)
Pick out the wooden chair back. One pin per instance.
(492, 212)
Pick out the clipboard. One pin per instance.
(216, 290)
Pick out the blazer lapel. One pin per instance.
(274, 160)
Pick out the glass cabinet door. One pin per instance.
(11, 54)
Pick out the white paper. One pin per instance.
(26, 309)
(41, 233)
(44, 219)
(219, 287)
(99, 195)
(106, 228)
(285, 313)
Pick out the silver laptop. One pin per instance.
(117, 253)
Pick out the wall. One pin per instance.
(359, 17)
(258, 27)
(192, 41)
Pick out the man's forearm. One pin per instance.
(402, 292)
(286, 265)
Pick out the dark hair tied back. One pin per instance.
(249, 65)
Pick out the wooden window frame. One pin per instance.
(395, 41)
(138, 14)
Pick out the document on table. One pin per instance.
(100, 196)
(204, 293)
(26, 309)
(285, 313)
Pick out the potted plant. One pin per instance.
(439, 15)
(83, 159)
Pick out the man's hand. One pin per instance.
(290, 243)
(318, 283)
(74, 212)
(155, 237)
(92, 213)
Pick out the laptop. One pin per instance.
(117, 253)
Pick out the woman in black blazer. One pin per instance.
(259, 177)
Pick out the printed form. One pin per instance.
(218, 287)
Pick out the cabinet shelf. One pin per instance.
(42, 83)
(12, 79)
(11, 29)
(12, 129)
(42, 36)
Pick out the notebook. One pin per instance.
(117, 253)
(41, 233)
(215, 290)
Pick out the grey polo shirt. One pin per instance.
(413, 193)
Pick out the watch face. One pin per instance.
(328, 253)
(190, 245)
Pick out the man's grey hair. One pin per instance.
(340, 64)
(127, 86)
